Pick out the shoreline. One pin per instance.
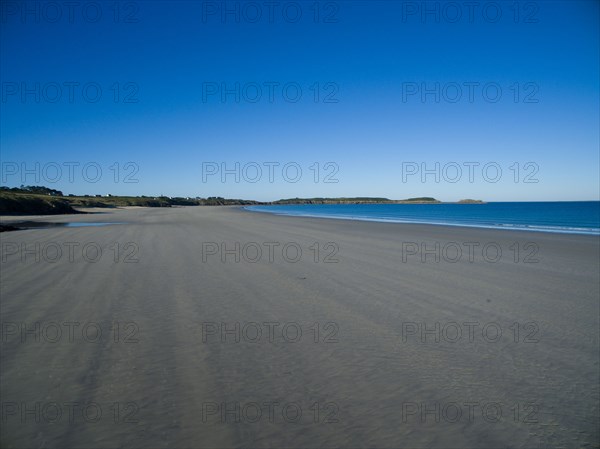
(429, 223)
(98, 215)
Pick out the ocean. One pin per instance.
(570, 217)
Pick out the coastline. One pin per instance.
(523, 228)
(370, 284)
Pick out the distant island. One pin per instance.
(357, 200)
(39, 200)
(469, 201)
(370, 200)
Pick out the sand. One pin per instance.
(361, 374)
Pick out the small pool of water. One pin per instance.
(43, 224)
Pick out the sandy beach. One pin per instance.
(214, 327)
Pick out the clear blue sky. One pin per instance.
(372, 58)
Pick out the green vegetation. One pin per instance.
(34, 200)
(422, 199)
(37, 190)
(470, 201)
(355, 200)
(28, 204)
(38, 200)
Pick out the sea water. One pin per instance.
(577, 217)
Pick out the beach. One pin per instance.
(216, 327)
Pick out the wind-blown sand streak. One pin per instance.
(370, 380)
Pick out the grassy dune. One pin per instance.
(16, 203)
(19, 203)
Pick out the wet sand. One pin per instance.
(359, 341)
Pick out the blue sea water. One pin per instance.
(578, 217)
